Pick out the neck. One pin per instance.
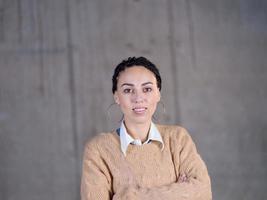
(138, 131)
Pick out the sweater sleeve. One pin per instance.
(186, 161)
(96, 180)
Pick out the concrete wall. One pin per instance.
(56, 63)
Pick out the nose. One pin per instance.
(138, 97)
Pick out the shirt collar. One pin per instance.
(126, 139)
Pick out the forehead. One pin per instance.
(136, 74)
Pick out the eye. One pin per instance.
(147, 89)
(127, 90)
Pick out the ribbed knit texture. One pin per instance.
(146, 172)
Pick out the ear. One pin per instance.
(116, 98)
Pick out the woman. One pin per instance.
(142, 160)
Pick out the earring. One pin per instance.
(115, 113)
(162, 113)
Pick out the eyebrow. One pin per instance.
(130, 84)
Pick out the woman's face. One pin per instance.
(137, 94)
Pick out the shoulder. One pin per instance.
(102, 141)
(172, 131)
(175, 136)
(177, 139)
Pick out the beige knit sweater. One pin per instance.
(147, 172)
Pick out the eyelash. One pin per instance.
(127, 90)
(145, 90)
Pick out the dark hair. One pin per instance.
(131, 62)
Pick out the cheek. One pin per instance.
(124, 103)
(154, 99)
(153, 104)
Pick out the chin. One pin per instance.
(142, 120)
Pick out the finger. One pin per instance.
(182, 178)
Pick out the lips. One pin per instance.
(139, 110)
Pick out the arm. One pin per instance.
(193, 182)
(193, 179)
(96, 180)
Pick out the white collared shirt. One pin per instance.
(126, 139)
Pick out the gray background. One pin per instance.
(57, 58)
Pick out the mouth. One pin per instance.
(139, 110)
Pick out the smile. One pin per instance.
(139, 110)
